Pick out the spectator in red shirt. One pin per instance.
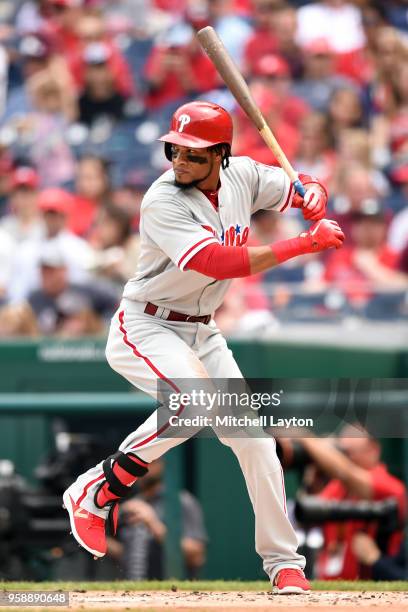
(247, 140)
(369, 265)
(271, 73)
(63, 17)
(357, 474)
(177, 69)
(263, 41)
(92, 193)
(92, 29)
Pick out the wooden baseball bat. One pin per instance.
(214, 47)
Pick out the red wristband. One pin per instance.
(287, 249)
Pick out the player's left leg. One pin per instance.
(153, 355)
(275, 539)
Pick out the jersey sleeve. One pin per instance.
(173, 229)
(273, 191)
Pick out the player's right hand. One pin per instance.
(325, 234)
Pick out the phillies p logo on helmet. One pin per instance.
(183, 121)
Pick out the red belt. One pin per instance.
(151, 309)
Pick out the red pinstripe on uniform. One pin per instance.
(284, 492)
(85, 491)
(288, 198)
(161, 376)
(157, 372)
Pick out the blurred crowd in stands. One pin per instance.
(87, 86)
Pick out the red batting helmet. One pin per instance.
(198, 125)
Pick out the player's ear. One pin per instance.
(218, 151)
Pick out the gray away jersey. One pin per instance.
(177, 223)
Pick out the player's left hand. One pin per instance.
(314, 203)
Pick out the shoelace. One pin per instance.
(96, 522)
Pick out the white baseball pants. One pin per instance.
(143, 348)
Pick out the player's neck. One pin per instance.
(211, 182)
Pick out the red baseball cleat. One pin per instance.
(88, 529)
(289, 581)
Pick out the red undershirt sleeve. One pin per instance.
(221, 262)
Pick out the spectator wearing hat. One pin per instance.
(319, 80)
(23, 221)
(272, 73)
(54, 206)
(91, 28)
(263, 39)
(37, 56)
(247, 141)
(34, 52)
(100, 97)
(177, 69)
(62, 17)
(62, 308)
(368, 266)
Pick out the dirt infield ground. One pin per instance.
(200, 601)
(216, 596)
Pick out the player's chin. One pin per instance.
(184, 181)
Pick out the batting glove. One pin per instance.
(323, 235)
(314, 204)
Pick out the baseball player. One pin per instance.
(194, 227)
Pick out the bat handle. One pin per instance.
(299, 188)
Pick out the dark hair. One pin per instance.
(122, 219)
(103, 162)
(223, 149)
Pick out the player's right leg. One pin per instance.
(146, 351)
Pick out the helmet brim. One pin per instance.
(187, 140)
